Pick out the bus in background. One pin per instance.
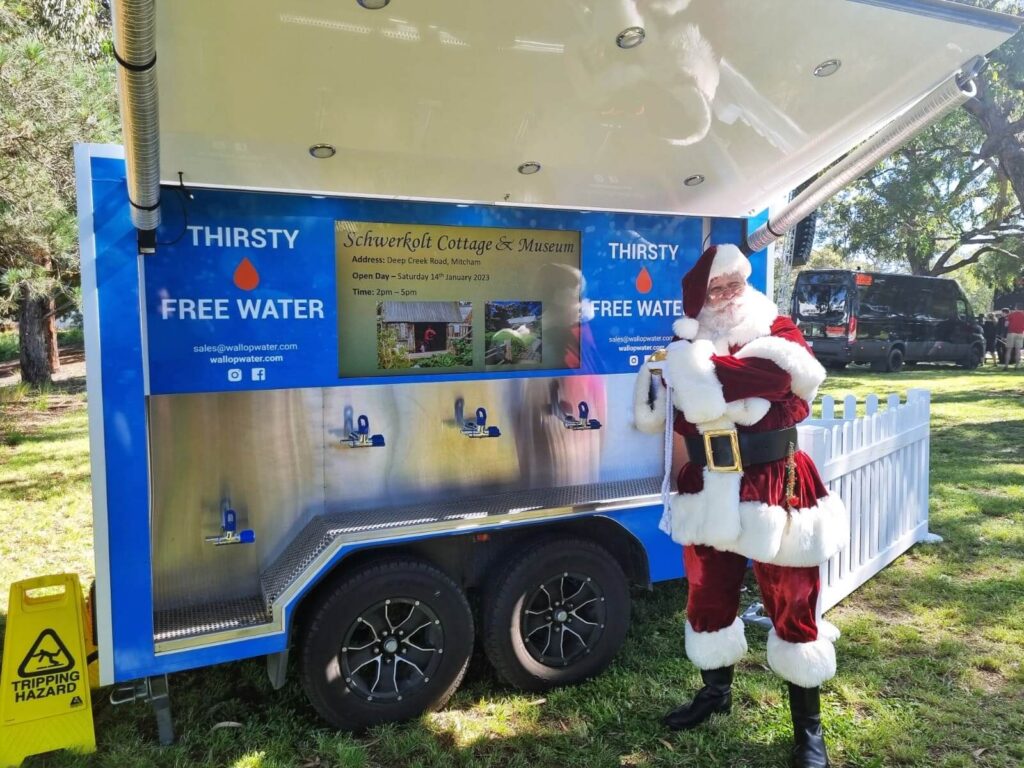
(885, 320)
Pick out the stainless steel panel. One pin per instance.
(428, 459)
(279, 457)
(261, 450)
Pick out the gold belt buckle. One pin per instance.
(734, 441)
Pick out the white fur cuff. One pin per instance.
(767, 533)
(747, 411)
(803, 368)
(695, 386)
(805, 664)
(647, 417)
(712, 650)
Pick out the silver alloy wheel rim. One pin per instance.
(391, 650)
(563, 619)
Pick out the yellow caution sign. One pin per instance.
(44, 701)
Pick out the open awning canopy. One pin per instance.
(720, 106)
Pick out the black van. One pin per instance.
(885, 320)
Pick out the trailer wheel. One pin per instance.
(558, 615)
(390, 641)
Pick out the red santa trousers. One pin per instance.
(790, 595)
(715, 635)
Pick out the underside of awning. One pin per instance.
(718, 108)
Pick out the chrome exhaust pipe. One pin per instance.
(937, 104)
(134, 33)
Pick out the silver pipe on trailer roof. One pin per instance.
(940, 102)
(134, 32)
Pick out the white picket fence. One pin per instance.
(878, 462)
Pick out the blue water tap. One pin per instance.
(229, 533)
(478, 427)
(584, 421)
(361, 437)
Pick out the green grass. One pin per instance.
(930, 661)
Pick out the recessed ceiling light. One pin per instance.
(373, 5)
(322, 151)
(527, 168)
(827, 67)
(630, 37)
(693, 181)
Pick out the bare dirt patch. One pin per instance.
(70, 377)
(23, 412)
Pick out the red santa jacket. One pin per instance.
(761, 377)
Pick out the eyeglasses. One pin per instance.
(729, 289)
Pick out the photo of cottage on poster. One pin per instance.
(424, 334)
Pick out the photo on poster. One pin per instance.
(424, 334)
(512, 333)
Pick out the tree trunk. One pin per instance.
(1001, 139)
(33, 339)
(52, 349)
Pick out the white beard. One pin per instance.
(736, 322)
(719, 321)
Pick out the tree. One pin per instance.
(56, 89)
(931, 208)
(952, 197)
(998, 108)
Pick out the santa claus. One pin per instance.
(740, 377)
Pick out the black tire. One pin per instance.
(522, 654)
(370, 605)
(974, 358)
(894, 360)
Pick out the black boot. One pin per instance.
(715, 696)
(809, 742)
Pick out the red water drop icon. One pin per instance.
(643, 281)
(246, 276)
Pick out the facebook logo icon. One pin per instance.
(259, 374)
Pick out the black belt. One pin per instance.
(730, 450)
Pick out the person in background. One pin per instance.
(428, 340)
(1001, 335)
(1014, 336)
(988, 328)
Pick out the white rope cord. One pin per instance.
(666, 481)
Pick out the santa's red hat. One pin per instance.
(715, 261)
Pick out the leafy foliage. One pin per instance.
(56, 89)
(390, 354)
(933, 207)
(463, 349)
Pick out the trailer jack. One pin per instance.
(155, 690)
